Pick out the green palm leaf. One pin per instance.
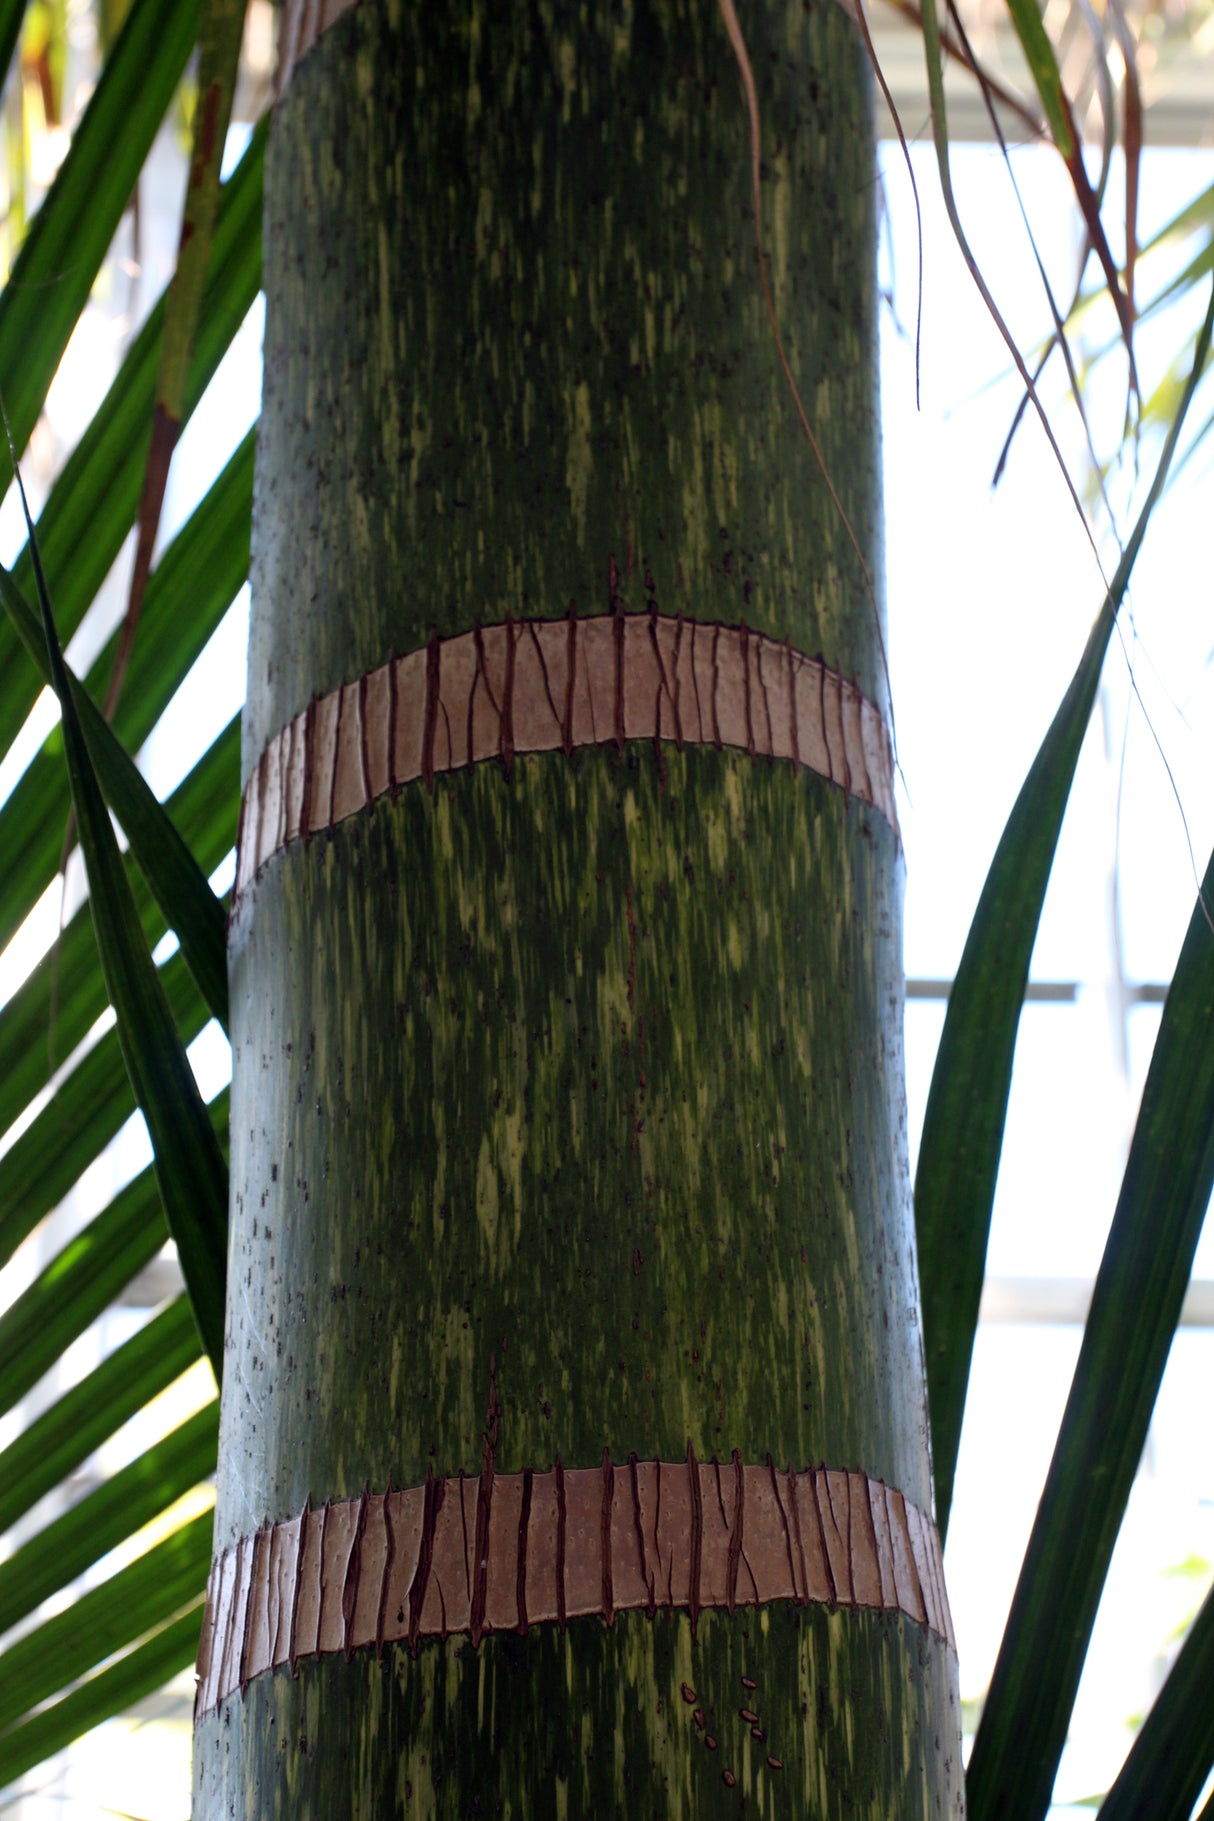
(1173, 1753)
(967, 1103)
(93, 503)
(71, 233)
(83, 1279)
(190, 1168)
(1135, 1308)
(105, 1620)
(133, 1676)
(205, 566)
(107, 1517)
(66, 1434)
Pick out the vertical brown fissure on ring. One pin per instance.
(484, 1508)
(417, 1593)
(330, 818)
(697, 1537)
(793, 662)
(735, 1534)
(430, 722)
(618, 629)
(305, 813)
(830, 757)
(866, 787)
(639, 1529)
(818, 1478)
(608, 1499)
(274, 1599)
(280, 821)
(297, 1588)
(676, 699)
(919, 1589)
(479, 679)
(769, 741)
(385, 1579)
(844, 691)
(695, 680)
(746, 692)
(775, 1492)
(364, 755)
(524, 1523)
(560, 1543)
(570, 675)
(872, 1525)
(657, 1539)
(393, 712)
(663, 684)
(507, 729)
(463, 1524)
(349, 1590)
(542, 661)
(796, 1524)
(250, 1604)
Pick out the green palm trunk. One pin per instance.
(567, 1118)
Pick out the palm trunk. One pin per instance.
(573, 1456)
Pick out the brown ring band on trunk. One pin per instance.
(402, 1566)
(530, 686)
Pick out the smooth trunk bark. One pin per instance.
(568, 1128)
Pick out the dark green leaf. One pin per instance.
(190, 1169)
(203, 567)
(93, 503)
(137, 1674)
(108, 1516)
(79, 1120)
(1135, 1308)
(967, 1102)
(66, 990)
(1174, 1751)
(105, 1620)
(12, 12)
(68, 1431)
(71, 233)
(84, 1279)
(218, 57)
(1043, 66)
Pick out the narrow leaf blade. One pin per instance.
(74, 1288)
(115, 1511)
(1136, 1305)
(141, 1672)
(218, 55)
(67, 1432)
(71, 233)
(1173, 1753)
(189, 1164)
(107, 1619)
(967, 1101)
(189, 905)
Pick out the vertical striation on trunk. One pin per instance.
(568, 1131)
